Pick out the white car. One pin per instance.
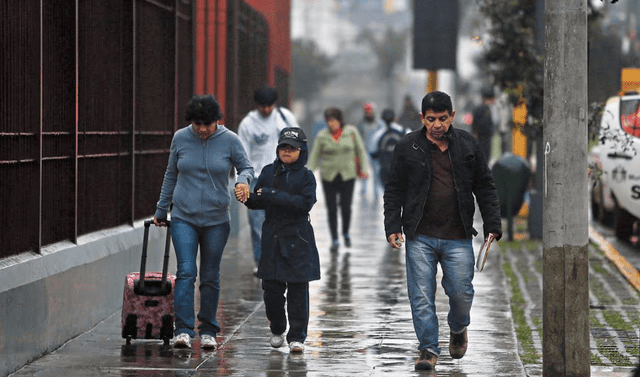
(615, 197)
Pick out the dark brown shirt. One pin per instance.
(441, 218)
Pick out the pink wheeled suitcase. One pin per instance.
(147, 307)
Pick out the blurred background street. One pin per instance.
(94, 91)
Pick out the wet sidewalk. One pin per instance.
(360, 321)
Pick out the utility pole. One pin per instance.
(566, 349)
(432, 81)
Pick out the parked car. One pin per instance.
(615, 196)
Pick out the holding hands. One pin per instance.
(242, 192)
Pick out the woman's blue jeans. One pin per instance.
(457, 262)
(186, 239)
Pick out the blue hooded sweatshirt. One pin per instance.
(197, 176)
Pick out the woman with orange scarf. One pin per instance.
(340, 154)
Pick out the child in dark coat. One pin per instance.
(286, 190)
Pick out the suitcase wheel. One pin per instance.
(130, 329)
(166, 331)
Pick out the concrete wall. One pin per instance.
(49, 298)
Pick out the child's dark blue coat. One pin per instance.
(289, 250)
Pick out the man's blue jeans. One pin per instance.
(186, 239)
(256, 219)
(457, 263)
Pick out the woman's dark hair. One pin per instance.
(335, 113)
(204, 108)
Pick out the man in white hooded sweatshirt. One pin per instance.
(259, 131)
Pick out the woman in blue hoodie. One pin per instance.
(286, 190)
(196, 182)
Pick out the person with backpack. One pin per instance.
(259, 131)
(385, 140)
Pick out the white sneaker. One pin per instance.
(208, 342)
(182, 341)
(296, 347)
(276, 340)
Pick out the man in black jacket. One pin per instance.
(435, 173)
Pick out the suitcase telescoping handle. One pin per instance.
(143, 259)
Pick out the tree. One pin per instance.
(512, 58)
(390, 50)
(311, 69)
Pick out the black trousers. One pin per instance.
(333, 190)
(297, 308)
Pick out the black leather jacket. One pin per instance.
(411, 173)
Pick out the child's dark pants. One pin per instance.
(297, 308)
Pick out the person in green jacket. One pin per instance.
(340, 154)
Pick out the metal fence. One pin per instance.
(247, 59)
(90, 93)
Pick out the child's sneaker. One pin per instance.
(296, 347)
(276, 340)
(182, 341)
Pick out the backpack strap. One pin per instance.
(283, 117)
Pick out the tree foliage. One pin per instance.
(311, 69)
(390, 50)
(511, 55)
(516, 64)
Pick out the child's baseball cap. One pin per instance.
(293, 136)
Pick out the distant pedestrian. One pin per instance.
(367, 127)
(286, 190)
(385, 140)
(196, 182)
(335, 151)
(482, 125)
(435, 174)
(410, 116)
(258, 132)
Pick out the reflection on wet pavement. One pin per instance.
(360, 322)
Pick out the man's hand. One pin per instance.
(396, 240)
(242, 192)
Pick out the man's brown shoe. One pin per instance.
(458, 344)
(426, 361)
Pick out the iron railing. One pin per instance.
(90, 93)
